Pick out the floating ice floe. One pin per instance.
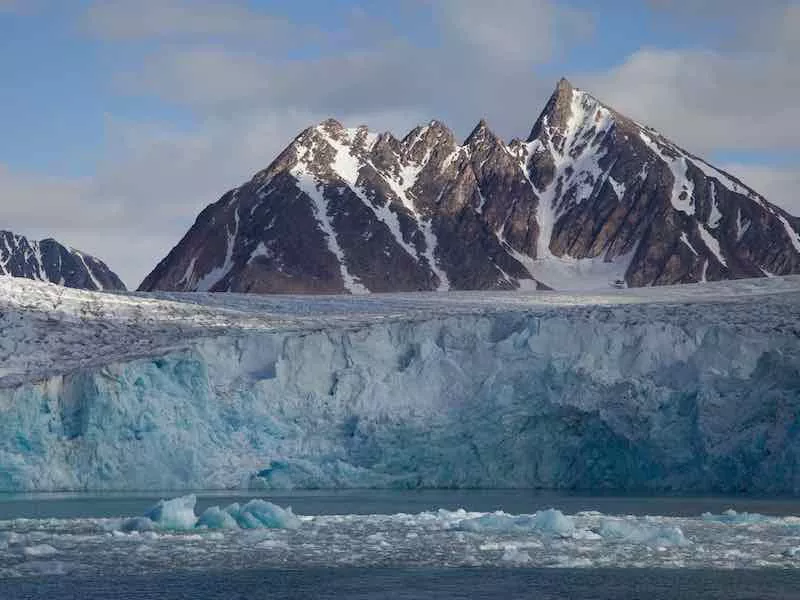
(548, 522)
(635, 532)
(732, 517)
(178, 514)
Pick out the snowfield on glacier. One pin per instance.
(691, 388)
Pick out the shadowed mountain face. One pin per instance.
(590, 199)
(48, 260)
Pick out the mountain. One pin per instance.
(48, 260)
(590, 199)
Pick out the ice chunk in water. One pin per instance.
(516, 556)
(177, 513)
(39, 550)
(549, 522)
(554, 522)
(216, 518)
(138, 524)
(626, 531)
(260, 513)
(732, 517)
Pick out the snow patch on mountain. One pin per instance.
(712, 244)
(793, 235)
(307, 184)
(715, 218)
(217, 274)
(683, 186)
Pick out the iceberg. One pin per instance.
(634, 532)
(548, 522)
(178, 514)
(691, 389)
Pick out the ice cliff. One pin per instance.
(691, 389)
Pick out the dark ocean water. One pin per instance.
(421, 584)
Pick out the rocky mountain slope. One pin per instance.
(590, 199)
(48, 260)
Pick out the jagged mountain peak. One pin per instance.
(422, 138)
(591, 199)
(481, 134)
(569, 108)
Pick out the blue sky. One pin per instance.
(122, 119)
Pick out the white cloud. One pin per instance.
(458, 80)
(126, 20)
(705, 100)
(740, 95)
(519, 31)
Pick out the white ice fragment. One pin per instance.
(39, 550)
(629, 531)
(731, 517)
(549, 522)
(516, 556)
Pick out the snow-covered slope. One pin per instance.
(590, 200)
(691, 388)
(47, 260)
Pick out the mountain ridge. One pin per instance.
(49, 260)
(590, 199)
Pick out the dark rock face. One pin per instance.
(48, 260)
(591, 199)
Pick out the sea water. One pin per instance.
(402, 544)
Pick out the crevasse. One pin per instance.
(690, 398)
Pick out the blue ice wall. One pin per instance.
(684, 398)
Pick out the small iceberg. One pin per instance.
(622, 530)
(548, 522)
(178, 514)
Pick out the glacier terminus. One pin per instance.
(693, 388)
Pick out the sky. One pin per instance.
(121, 119)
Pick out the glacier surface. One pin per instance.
(691, 389)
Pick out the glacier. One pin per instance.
(688, 389)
